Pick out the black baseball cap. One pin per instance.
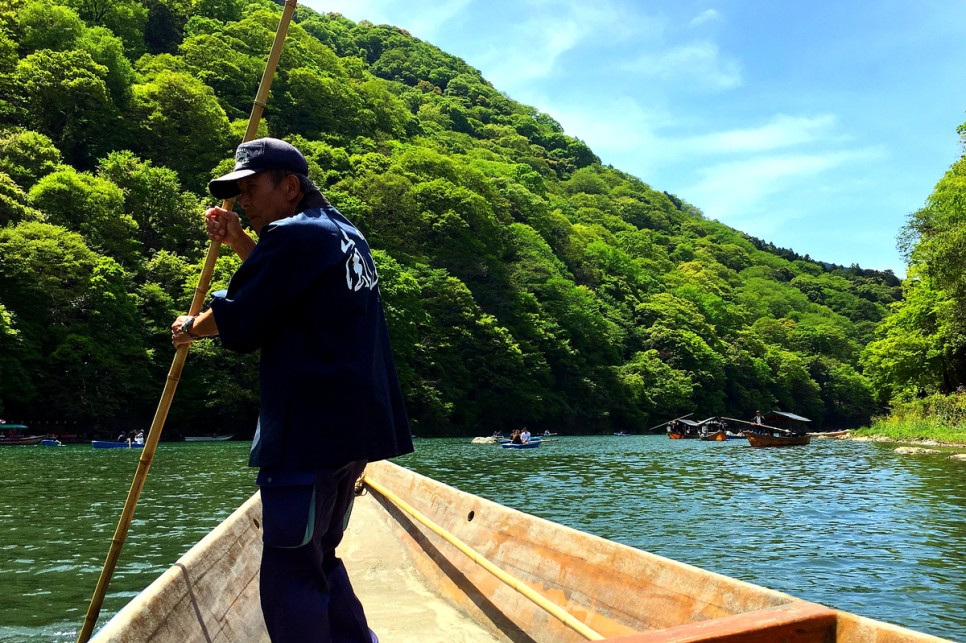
(257, 156)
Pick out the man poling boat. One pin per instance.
(181, 353)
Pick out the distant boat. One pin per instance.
(13, 435)
(682, 429)
(532, 444)
(535, 438)
(208, 438)
(621, 434)
(115, 444)
(828, 434)
(716, 436)
(51, 442)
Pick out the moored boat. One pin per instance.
(757, 439)
(208, 438)
(682, 429)
(474, 558)
(828, 434)
(776, 429)
(13, 435)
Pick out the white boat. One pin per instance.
(437, 565)
(208, 438)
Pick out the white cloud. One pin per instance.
(706, 16)
(735, 190)
(698, 62)
(531, 49)
(422, 18)
(780, 132)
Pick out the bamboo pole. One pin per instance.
(669, 421)
(541, 601)
(181, 354)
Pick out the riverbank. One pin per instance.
(923, 432)
(937, 419)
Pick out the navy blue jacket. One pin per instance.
(308, 297)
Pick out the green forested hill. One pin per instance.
(525, 282)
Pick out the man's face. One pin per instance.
(263, 201)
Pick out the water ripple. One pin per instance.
(58, 512)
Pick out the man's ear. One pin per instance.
(292, 185)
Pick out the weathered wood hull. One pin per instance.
(624, 594)
(26, 440)
(762, 440)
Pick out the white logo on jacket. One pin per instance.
(358, 274)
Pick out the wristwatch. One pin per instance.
(186, 327)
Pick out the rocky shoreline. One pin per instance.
(922, 446)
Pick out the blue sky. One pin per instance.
(817, 126)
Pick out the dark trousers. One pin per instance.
(305, 591)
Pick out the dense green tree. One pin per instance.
(316, 105)
(14, 205)
(26, 156)
(909, 354)
(92, 206)
(164, 28)
(655, 388)
(177, 123)
(921, 349)
(217, 62)
(81, 343)
(166, 217)
(16, 385)
(126, 19)
(107, 49)
(64, 96)
(42, 24)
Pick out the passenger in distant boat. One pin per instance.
(525, 435)
(516, 437)
(306, 296)
(139, 438)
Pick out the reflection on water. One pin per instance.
(848, 524)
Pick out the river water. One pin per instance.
(852, 525)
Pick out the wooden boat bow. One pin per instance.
(399, 564)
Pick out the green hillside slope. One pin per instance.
(526, 283)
